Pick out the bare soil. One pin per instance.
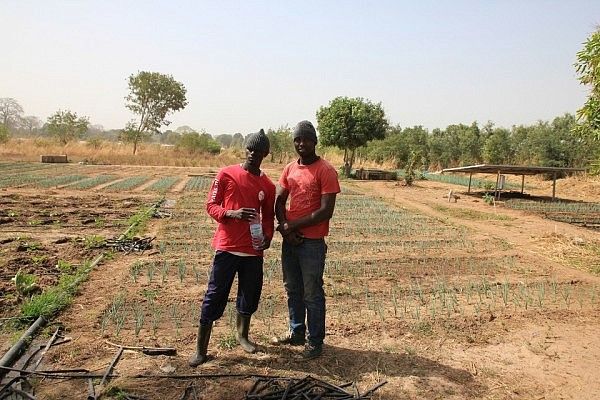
(542, 344)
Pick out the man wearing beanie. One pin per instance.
(240, 194)
(311, 184)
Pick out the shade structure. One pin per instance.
(513, 170)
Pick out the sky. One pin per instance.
(248, 65)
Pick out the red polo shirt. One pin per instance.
(232, 189)
(306, 184)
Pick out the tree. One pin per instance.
(31, 123)
(281, 143)
(237, 141)
(349, 123)
(588, 69)
(399, 146)
(10, 112)
(225, 139)
(497, 147)
(67, 126)
(152, 96)
(194, 142)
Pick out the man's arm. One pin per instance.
(325, 212)
(281, 196)
(214, 202)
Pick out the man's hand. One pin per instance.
(294, 238)
(246, 214)
(265, 244)
(285, 228)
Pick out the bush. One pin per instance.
(4, 134)
(194, 142)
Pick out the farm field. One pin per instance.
(441, 300)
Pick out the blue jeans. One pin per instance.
(250, 280)
(303, 267)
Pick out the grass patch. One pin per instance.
(56, 298)
(137, 222)
(465, 213)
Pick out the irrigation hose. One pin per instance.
(19, 347)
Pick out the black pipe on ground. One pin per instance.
(17, 349)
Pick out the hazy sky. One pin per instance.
(253, 64)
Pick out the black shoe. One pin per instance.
(290, 339)
(312, 351)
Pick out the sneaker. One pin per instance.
(289, 339)
(312, 351)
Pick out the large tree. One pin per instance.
(30, 123)
(152, 96)
(588, 69)
(349, 123)
(67, 126)
(10, 112)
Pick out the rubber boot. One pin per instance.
(201, 345)
(243, 326)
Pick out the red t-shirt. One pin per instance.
(232, 189)
(306, 184)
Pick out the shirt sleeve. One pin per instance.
(268, 212)
(329, 181)
(216, 195)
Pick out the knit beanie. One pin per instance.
(305, 129)
(258, 141)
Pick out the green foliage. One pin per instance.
(588, 69)
(65, 267)
(94, 241)
(66, 126)
(137, 223)
(456, 145)
(410, 173)
(497, 147)
(25, 284)
(4, 134)
(152, 96)
(195, 143)
(54, 299)
(349, 123)
(281, 143)
(488, 199)
(399, 144)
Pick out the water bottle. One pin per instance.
(256, 232)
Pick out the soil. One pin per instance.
(388, 318)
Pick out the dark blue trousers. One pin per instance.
(250, 279)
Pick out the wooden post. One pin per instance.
(553, 186)
(522, 183)
(470, 176)
(496, 191)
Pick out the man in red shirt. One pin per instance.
(238, 197)
(311, 184)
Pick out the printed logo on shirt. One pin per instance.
(261, 195)
(215, 190)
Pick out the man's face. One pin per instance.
(254, 157)
(304, 146)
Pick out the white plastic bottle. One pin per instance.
(256, 232)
